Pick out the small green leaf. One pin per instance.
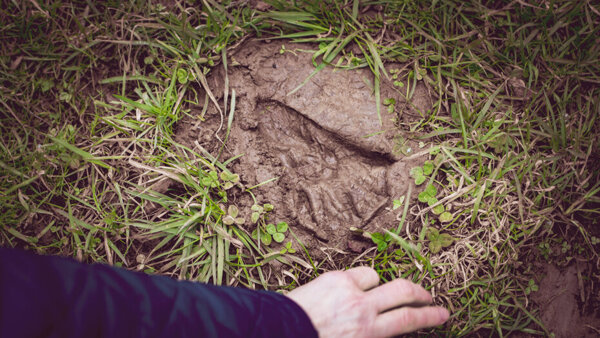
(445, 217)
(254, 217)
(233, 178)
(282, 227)
(271, 229)
(435, 247)
(390, 109)
(380, 240)
(431, 201)
(431, 190)
(397, 203)
(232, 211)
(268, 207)
(445, 240)
(211, 180)
(228, 220)
(240, 220)
(420, 180)
(428, 167)
(46, 85)
(257, 208)
(182, 76)
(207, 182)
(423, 196)
(278, 237)
(64, 96)
(389, 101)
(432, 234)
(227, 185)
(377, 237)
(265, 239)
(416, 172)
(438, 209)
(255, 233)
(438, 241)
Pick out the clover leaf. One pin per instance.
(254, 217)
(381, 240)
(397, 203)
(232, 216)
(288, 248)
(182, 76)
(265, 238)
(438, 241)
(282, 227)
(272, 232)
(278, 237)
(428, 168)
(445, 217)
(211, 180)
(417, 174)
(428, 195)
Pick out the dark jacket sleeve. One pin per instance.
(43, 296)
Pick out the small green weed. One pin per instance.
(531, 287)
(271, 232)
(232, 216)
(437, 240)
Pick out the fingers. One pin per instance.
(408, 319)
(396, 293)
(364, 277)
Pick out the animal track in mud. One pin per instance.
(337, 185)
(331, 152)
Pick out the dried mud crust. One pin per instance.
(335, 162)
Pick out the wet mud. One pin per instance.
(565, 308)
(337, 166)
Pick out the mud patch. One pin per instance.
(337, 166)
(562, 301)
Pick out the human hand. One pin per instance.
(350, 304)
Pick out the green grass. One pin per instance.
(90, 97)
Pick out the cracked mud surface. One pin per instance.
(336, 164)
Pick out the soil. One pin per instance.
(564, 305)
(336, 165)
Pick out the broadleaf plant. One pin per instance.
(437, 241)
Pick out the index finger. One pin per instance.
(408, 319)
(364, 277)
(397, 293)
